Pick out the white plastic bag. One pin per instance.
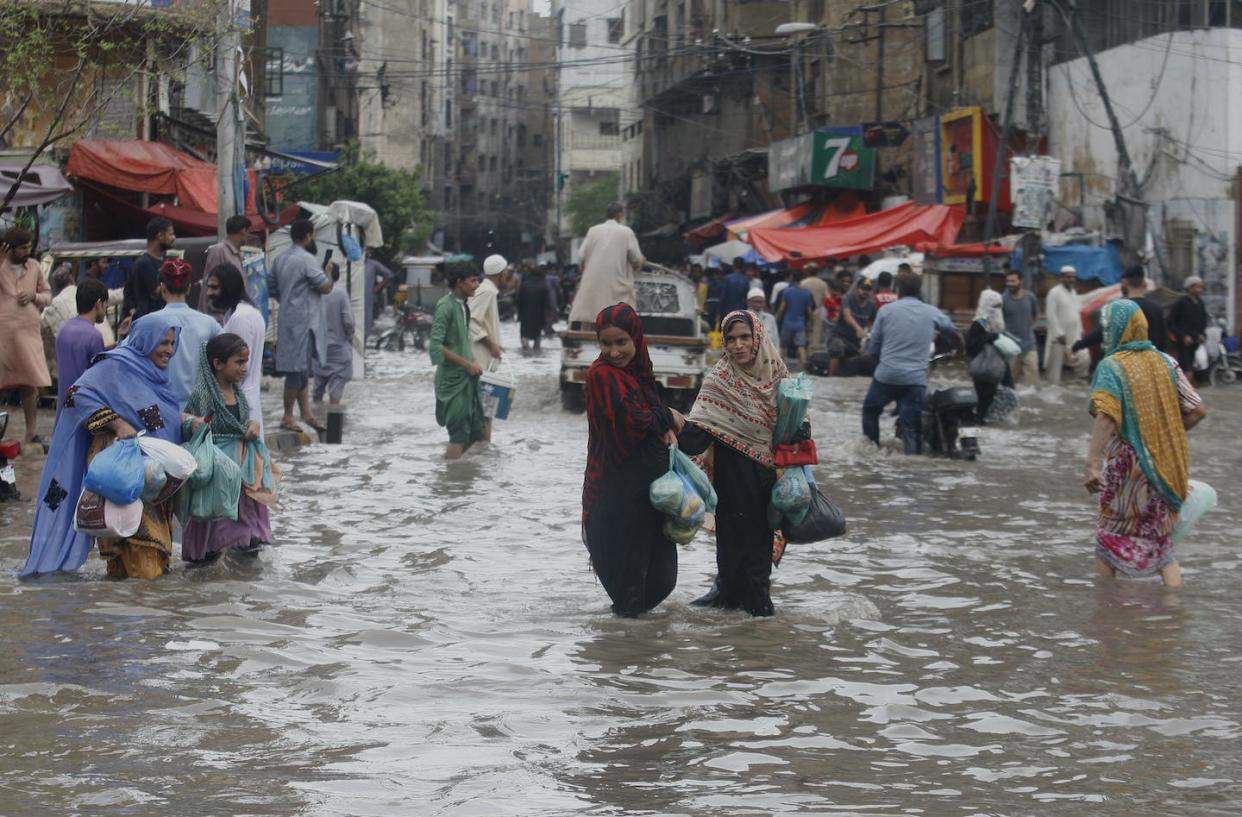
(176, 461)
(1201, 358)
(1200, 500)
(96, 516)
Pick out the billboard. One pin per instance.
(832, 157)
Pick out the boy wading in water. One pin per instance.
(458, 407)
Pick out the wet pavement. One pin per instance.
(428, 639)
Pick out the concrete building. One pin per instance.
(591, 96)
(400, 88)
(1183, 129)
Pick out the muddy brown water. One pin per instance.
(428, 639)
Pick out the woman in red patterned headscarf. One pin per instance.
(630, 430)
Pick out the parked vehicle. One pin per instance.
(413, 326)
(9, 451)
(675, 340)
(1224, 367)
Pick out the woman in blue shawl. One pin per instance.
(124, 391)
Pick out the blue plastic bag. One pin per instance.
(793, 398)
(678, 495)
(117, 473)
(353, 252)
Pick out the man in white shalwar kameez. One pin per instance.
(610, 257)
(1062, 313)
(485, 321)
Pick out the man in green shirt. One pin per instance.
(458, 406)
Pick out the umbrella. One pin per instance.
(890, 265)
(730, 250)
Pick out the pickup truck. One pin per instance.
(675, 340)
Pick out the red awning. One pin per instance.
(905, 225)
(708, 232)
(150, 167)
(962, 250)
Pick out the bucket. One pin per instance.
(497, 389)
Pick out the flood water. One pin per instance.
(428, 639)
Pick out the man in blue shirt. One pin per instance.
(196, 327)
(734, 289)
(901, 339)
(794, 313)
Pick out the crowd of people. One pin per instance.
(166, 370)
(171, 371)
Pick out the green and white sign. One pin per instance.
(833, 157)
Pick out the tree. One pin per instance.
(589, 199)
(395, 194)
(65, 62)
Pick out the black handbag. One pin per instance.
(824, 520)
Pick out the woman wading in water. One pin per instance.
(735, 416)
(630, 430)
(1143, 405)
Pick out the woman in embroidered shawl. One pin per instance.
(221, 399)
(735, 416)
(629, 431)
(124, 391)
(1143, 405)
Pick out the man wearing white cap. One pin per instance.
(1062, 312)
(757, 303)
(485, 321)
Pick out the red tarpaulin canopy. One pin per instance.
(907, 224)
(150, 167)
(962, 250)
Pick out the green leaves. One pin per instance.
(588, 199)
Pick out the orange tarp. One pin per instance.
(907, 225)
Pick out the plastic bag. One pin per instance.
(117, 473)
(201, 447)
(793, 397)
(682, 464)
(679, 493)
(1201, 358)
(1200, 500)
(679, 532)
(791, 496)
(823, 520)
(1008, 347)
(96, 516)
(219, 497)
(988, 366)
(176, 461)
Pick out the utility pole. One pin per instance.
(1130, 203)
(228, 113)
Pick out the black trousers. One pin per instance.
(635, 562)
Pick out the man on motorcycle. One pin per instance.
(900, 338)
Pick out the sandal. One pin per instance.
(291, 426)
(315, 424)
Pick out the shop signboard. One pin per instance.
(832, 157)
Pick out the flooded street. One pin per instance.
(428, 639)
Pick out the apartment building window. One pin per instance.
(609, 128)
(496, 14)
(537, 140)
(616, 28)
(495, 53)
(425, 103)
(448, 113)
(469, 81)
(934, 28)
(577, 35)
(470, 43)
(495, 127)
(274, 72)
(521, 136)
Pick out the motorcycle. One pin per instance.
(950, 425)
(1223, 367)
(412, 323)
(9, 450)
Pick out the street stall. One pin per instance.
(907, 224)
(955, 274)
(342, 228)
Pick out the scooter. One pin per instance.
(9, 450)
(412, 322)
(1223, 366)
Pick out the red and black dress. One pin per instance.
(631, 556)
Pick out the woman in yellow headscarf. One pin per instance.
(1143, 405)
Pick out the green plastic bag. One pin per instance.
(201, 446)
(791, 496)
(216, 495)
(793, 398)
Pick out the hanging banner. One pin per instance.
(1033, 186)
(925, 174)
